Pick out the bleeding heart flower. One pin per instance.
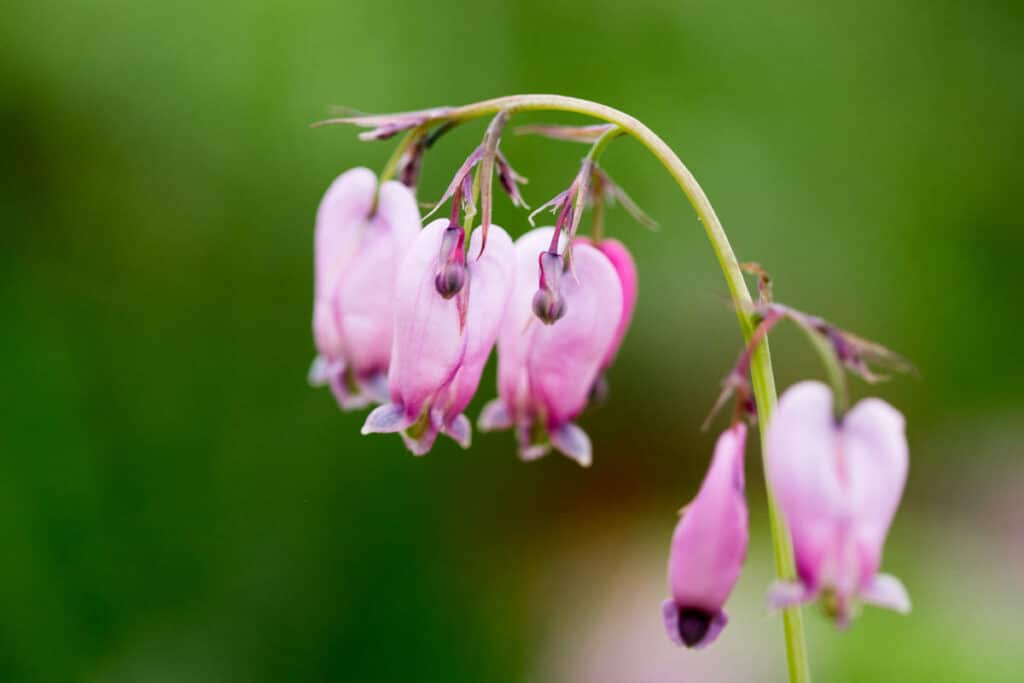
(361, 236)
(708, 548)
(443, 332)
(546, 368)
(838, 482)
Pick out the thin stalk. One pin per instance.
(761, 374)
(391, 167)
(833, 371)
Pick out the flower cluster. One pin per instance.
(406, 318)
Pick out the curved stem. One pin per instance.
(761, 374)
(833, 371)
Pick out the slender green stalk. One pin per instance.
(391, 167)
(760, 368)
(833, 371)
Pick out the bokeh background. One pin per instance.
(176, 504)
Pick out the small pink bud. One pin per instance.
(357, 250)
(838, 484)
(546, 371)
(708, 548)
(441, 344)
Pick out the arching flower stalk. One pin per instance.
(558, 309)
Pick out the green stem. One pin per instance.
(391, 167)
(833, 370)
(760, 367)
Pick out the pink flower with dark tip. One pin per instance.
(546, 368)
(708, 548)
(361, 235)
(838, 482)
(443, 332)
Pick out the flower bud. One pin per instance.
(708, 548)
(450, 280)
(547, 306)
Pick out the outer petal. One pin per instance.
(519, 324)
(428, 340)
(491, 279)
(801, 457)
(340, 220)
(874, 467)
(366, 292)
(710, 541)
(625, 268)
(342, 213)
(564, 358)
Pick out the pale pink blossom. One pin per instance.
(442, 342)
(838, 482)
(546, 371)
(361, 235)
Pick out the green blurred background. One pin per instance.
(176, 504)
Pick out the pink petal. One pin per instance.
(428, 338)
(801, 462)
(565, 358)
(342, 213)
(491, 280)
(710, 541)
(874, 465)
(519, 324)
(625, 267)
(366, 292)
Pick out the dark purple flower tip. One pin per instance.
(548, 306)
(693, 625)
(450, 279)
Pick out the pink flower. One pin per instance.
(708, 548)
(356, 254)
(442, 341)
(546, 371)
(838, 483)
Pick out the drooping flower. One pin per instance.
(361, 235)
(547, 366)
(708, 548)
(448, 306)
(838, 482)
